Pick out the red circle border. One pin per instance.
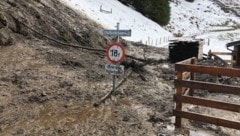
(123, 50)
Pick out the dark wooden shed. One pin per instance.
(235, 52)
(181, 50)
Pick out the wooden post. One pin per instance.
(178, 120)
(101, 8)
(193, 62)
(148, 40)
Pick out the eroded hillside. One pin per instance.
(47, 88)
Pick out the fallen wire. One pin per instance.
(103, 99)
(82, 47)
(215, 57)
(91, 49)
(57, 41)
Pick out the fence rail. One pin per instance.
(186, 82)
(228, 62)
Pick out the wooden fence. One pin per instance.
(185, 85)
(230, 62)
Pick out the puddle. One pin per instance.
(68, 117)
(58, 115)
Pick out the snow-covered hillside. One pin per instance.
(202, 18)
(109, 12)
(205, 19)
(191, 18)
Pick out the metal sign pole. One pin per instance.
(118, 25)
(114, 76)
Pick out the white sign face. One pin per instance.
(115, 53)
(114, 69)
(117, 32)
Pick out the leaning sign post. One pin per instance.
(115, 53)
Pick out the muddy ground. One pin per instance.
(47, 88)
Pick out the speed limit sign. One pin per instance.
(115, 53)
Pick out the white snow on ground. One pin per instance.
(216, 41)
(143, 29)
(202, 17)
(198, 17)
(191, 19)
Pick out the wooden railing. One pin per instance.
(185, 85)
(230, 62)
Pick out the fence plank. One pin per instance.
(207, 119)
(192, 76)
(222, 53)
(186, 75)
(232, 72)
(178, 120)
(208, 103)
(187, 61)
(212, 87)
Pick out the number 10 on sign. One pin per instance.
(115, 53)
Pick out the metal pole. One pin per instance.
(118, 25)
(114, 77)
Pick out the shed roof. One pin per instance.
(235, 43)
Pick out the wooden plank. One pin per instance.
(179, 90)
(213, 87)
(228, 61)
(186, 91)
(221, 53)
(207, 119)
(208, 103)
(187, 61)
(192, 77)
(232, 72)
(186, 75)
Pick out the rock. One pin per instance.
(12, 3)
(3, 21)
(5, 39)
(44, 93)
(1, 109)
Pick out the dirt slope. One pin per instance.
(47, 17)
(49, 89)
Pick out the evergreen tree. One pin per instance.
(190, 0)
(157, 10)
(160, 11)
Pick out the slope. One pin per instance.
(47, 88)
(196, 17)
(109, 12)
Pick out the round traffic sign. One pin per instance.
(115, 53)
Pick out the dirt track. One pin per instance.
(50, 91)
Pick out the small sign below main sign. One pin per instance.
(114, 69)
(117, 32)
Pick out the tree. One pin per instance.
(190, 0)
(160, 11)
(157, 10)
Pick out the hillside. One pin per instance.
(109, 12)
(52, 72)
(200, 16)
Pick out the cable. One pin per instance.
(57, 41)
(82, 47)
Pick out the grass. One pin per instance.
(237, 26)
(228, 36)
